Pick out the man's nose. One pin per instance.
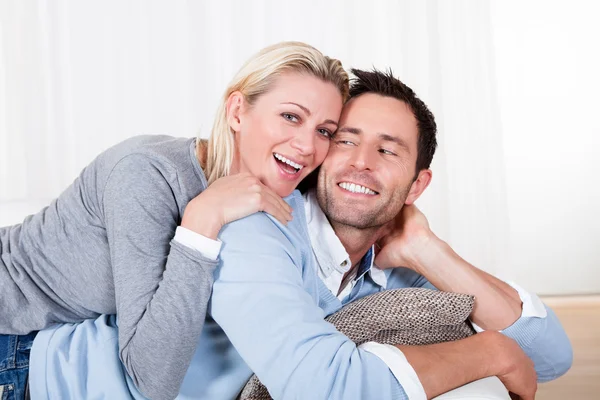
(362, 159)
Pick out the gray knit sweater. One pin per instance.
(104, 246)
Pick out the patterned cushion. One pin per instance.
(412, 316)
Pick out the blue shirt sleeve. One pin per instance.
(545, 342)
(262, 300)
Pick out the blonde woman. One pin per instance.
(134, 235)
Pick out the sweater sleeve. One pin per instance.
(161, 286)
(260, 302)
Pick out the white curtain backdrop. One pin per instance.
(79, 76)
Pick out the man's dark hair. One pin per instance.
(385, 84)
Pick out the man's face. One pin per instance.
(367, 176)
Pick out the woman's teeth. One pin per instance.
(281, 158)
(354, 188)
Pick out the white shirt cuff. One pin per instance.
(532, 305)
(400, 367)
(208, 247)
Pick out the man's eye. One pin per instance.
(346, 142)
(387, 152)
(290, 117)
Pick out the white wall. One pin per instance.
(548, 73)
(512, 191)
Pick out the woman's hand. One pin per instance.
(231, 198)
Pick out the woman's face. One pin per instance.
(285, 134)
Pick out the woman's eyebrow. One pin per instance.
(306, 110)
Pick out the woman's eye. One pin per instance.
(325, 132)
(290, 117)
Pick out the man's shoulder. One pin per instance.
(260, 231)
(259, 244)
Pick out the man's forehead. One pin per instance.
(378, 114)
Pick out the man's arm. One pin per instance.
(262, 300)
(445, 366)
(498, 306)
(413, 245)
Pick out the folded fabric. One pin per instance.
(412, 316)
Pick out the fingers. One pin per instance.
(268, 191)
(515, 396)
(274, 208)
(272, 199)
(255, 196)
(268, 201)
(278, 200)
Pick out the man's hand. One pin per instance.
(406, 236)
(409, 242)
(517, 371)
(445, 366)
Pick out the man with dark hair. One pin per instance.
(377, 167)
(274, 286)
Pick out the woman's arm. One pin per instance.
(162, 287)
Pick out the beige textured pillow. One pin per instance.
(411, 316)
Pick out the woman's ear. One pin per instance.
(233, 109)
(418, 186)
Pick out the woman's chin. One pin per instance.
(285, 192)
(284, 189)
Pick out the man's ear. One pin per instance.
(233, 109)
(419, 186)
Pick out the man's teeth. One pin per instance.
(288, 162)
(354, 188)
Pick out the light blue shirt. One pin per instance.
(269, 303)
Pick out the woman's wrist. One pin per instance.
(208, 227)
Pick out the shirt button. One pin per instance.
(344, 263)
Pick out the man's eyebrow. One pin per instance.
(350, 129)
(383, 136)
(399, 141)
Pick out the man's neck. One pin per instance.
(356, 241)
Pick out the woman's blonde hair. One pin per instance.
(254, 79)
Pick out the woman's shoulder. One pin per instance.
(162, 148)
(161, 155)
(153, 163)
